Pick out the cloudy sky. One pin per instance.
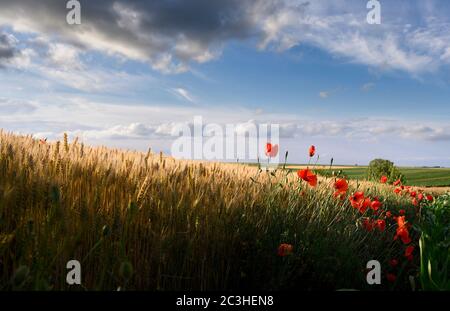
(133, 70)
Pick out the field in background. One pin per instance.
(415, 176)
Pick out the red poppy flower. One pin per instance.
(415, 202)
(368, 224)
(402, 212)
(430, 198)
(397, 182)
(285, 249)
(376, 205)
(402, 230)
(391, 277)
(388, 214)
(409, 250)
(357, 196)
(365, 204)
(401, 221)
(341, 186)
(380, 224)
(413, 194)
(409, 253)
(358, 201)
(308, 176)
(312, 151)
(393, 263)
(271, 150)
(398, 190)
(383, 179)
(420, 197)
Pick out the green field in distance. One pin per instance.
(415, 176)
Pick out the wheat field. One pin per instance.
(145, 221)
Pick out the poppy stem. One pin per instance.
(285, 160)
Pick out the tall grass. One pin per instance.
(146, 221)
(435, 245)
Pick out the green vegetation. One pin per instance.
(435, 245)
(380, 167)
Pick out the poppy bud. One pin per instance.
(312, 151)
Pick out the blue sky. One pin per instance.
(132, 71)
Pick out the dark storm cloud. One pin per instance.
(7, 47)
(160, 32)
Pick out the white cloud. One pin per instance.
(10, 53)
(345, 34)
(349, 130)
(412, 40)
(133, 126)
(327, 94)
(64, 56)
(130, 131)
(63, 64)
(183, 93)
(368, 86)
(10, 107)
(324, 94)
